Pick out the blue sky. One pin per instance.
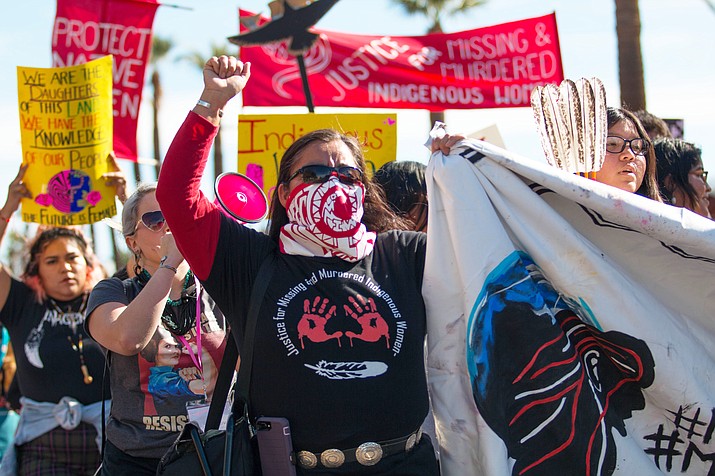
(678, 41)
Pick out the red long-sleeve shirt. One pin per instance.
(192, 218)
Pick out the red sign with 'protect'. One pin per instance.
(88, 29)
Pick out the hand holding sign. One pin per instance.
(16, 191)
(116, 178)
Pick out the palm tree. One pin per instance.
(630, 62)
(435, 11)
(159, 49)
(198, 60)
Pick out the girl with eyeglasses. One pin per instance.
(131, 319)
(630, 161)
(59, 368)
(681, 175)
(339, 342)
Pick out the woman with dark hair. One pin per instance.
(131, 318)
(339, 339)
(630, 160)
(59, 370)
(376, 216)
(405, 190)
(681, 176)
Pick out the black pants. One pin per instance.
(118, 463)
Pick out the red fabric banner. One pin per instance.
(87, 29)
(495, 66)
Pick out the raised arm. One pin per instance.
(126, 329)
(193, 219)
(15, 193)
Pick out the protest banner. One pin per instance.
(88, 29)
(495, 66)
(262, 139)
(570, 325)
(66, 131)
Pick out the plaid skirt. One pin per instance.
(60, 453)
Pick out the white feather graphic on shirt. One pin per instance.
(348, 370)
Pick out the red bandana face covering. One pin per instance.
(325, 220)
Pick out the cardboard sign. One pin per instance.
(66, 131)
(263, 138)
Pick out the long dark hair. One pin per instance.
(649, 187)
(675, 158)
(378, 216)
(405, 190)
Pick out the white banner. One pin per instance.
(571, 325)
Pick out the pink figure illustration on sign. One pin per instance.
(69, 191)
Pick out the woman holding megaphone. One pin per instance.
(339, 340)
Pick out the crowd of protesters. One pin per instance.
(146, 318)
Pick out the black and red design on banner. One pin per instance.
(552, 386)
(495, 66)
(88, 29)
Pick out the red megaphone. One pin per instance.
(241, 197)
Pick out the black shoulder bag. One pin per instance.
(233, 451)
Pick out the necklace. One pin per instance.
(79, 347)
(75, 318)
(179, 314)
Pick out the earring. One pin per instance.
(673, 200)
(137, 267)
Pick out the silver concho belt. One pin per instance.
(367, 454)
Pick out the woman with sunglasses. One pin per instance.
(59, 369)
(340, 330)
(129, 318)
(682, 178)
(630, 160)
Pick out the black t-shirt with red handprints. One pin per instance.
(339, 346)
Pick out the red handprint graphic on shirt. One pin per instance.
(373, 325)
(312, 324)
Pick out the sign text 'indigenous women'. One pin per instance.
(496, 66)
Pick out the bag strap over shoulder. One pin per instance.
(223, 383)
(230, 356)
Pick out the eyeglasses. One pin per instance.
(616, 145)
(154, 221)
(321, 174)
(703, 175)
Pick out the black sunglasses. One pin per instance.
(321, 173)
(154, 221)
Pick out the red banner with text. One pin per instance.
(88, 29)
(495, 66)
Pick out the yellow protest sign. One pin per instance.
(262, 139)
(66, 131)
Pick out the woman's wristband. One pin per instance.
(162, 264)
(4, 218)
(207, 105)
